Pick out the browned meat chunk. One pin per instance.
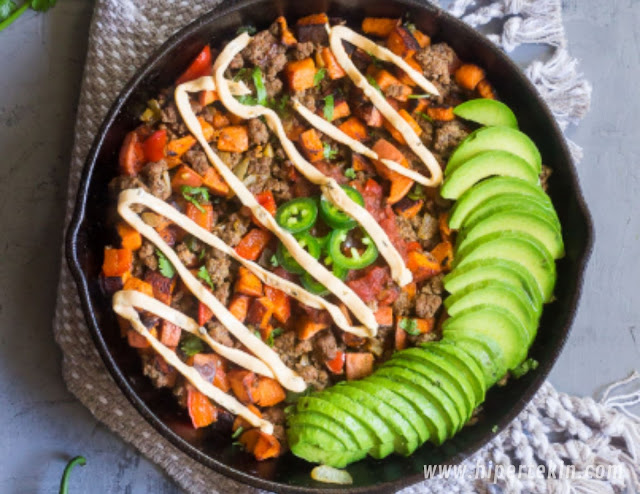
(157, 180)
(258, 132)
(197, 160)
(259, 172)
(449, 136)
(325, 346)
(237, 62)
(405, 229)
(427, 305)
(147, 255)
(303, 50)
(266, 52)
(185, 255)
(428, 231)
(219, 333)
(232, 231)
(437, 61)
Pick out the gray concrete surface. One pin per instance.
(41, 60)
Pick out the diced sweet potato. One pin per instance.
(313, 19)
(212, 368)
(260, 312)
(169, 334)
(248, 283)
(400, 185)
(233, 139)
(117, 262)
(415, 324)
(177, 147)
(384, 316)
(220, 120)
(260, 444)
(136, 340)
(423, 39)
(161, 285)
(241, 422)
(306, 327)
(286, 36)
(185, 176)
(485, 89)
(202, 218)
(385, 79)
(443, 226)
(334, 69)
(311, 145)
(201, 411)
(267, 392)
(359, 163)
(354, 128)
(239, 306)
(212, 180)
(469, 75)
(281, 303)
(443, 253)
(397, 135)
(131, 159)
(379, 26)
(253, 243)
(340, 110)
(207, 97)
(410, 210)
(205, 314)
(358, 365)
(129, 237)
(423, 266)
(401, 42)
(400, 338)
(336, 364)
(369, 114)
(402, 75)
(441, 113)
(300, 74)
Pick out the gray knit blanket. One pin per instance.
(565, 444)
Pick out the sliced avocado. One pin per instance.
(364, 438)
(502, 270)
(471, 369)
(405, 436)
(440, 388)
(452, 374)
(329, 425)
(518, 247)
(384, 437)
(488, 189)
(500, 294)
(516, 221)
(410, 373)
(430, 411)
(486, 352)
(484, 165)
(496, 138)
(512, 202)
(489, 112)
(305, 442)
(397, 411)
(497, 324)
(402, 400)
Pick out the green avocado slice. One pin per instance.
(517, 247)
(496, 138)
(329, 425)
(498, 294)
(486, 352)
(444, 415)
(509, 272)
(488, 189)
(430, 411)
(317, 446)
(489, 112)
(405, 436)
(364, 438)
(415, 432)
(383, 436)
(516, 220)
(497, 324)
(484, 165)
(453, 376)
(471, 369)
(512, 202)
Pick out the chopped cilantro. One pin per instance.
(274, 261)
(191, 345)
(373, 82)
(418, 96)
(192, 194)
(417, 193)
(320, 73)
(494, 429)
(203, 274)
(410, 326)
(375, 60)
(525, 367)
(425, 116)
(328, 152)
(328, 107)
(238, 432)
(247, 99)
(164, 265)
(241, 74)
(261, 91)
(257, 333)
(249, 29)
(275, 332)
(350, 173)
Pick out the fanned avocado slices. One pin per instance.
(489, 112)
(317, 446)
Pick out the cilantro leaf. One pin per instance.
(350, 173)
(247, 99)
(203, 274)
(320, 73)
(6, 7)
(191, 345)
(274, 261)
(164, 265)
(375, 85)
(328, 107)
(261, 91)
(328, 152)
(275, 332)
(410, 326)
(241, 74)
(425, 116)
(238, 432)
(249, 29)
(191, 194)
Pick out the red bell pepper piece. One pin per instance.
(204, 314)
(266, 200)
(336, 365)
(154, 146)
(253, 243)
(200, 66)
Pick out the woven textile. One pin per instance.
(123, 34)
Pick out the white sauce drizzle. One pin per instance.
(124, 303)
(338, 135)
(313, 267)
(339, 33)
(288, 378)
(329, 186)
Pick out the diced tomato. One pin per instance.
(200, 66)
(372, 194)
(375, 285)
(336, 365)
(204, 314)
(266, 200)
(131, 159)
(154, 146)
(253, 243)
(387, 221)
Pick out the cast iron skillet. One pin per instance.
(88, 234)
